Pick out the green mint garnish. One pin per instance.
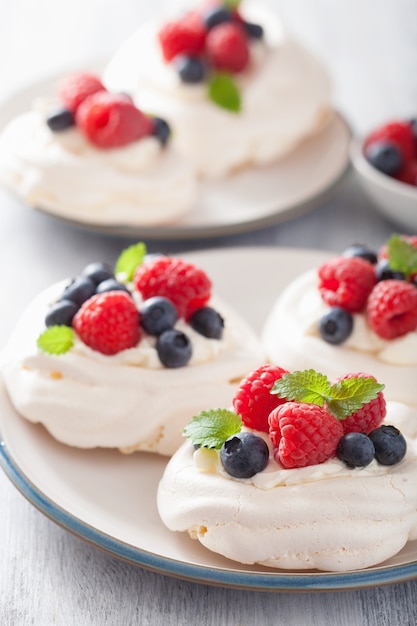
(210, 429)
(129, 260)
(402, 255)
(342, 399)
(224, 92)
(231, 4)
(56, 340)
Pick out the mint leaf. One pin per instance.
(224, 92)
(402, 255)
(129, 260)
(231, 4)
(350, 394)
(304, 386)
(56, 340)
(210, 429)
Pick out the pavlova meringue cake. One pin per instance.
(119, 360)
(93, 156)
(292, 482)
(353, 313)
(237, 89)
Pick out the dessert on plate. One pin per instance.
(236, 87)
(356, 312)
(303, 473)
(91, 155)
(119, 357)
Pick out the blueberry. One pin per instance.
(361, 251)
(385, 157)
(61, 313)
(80, 290)
(61, 119)
(207, 322)
(157, 315)
(384, 272)
(336, 325)
(111, 284)
(244, 455)
(390, 445)
(174, 348)
(98, 272)
(216, 16)
(255, 31)
(355, 449)
(190, 69)
(161, 130)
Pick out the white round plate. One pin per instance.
(248, 200)
(108, 498)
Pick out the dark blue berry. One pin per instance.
(355, 449)
(255, 31)
(174, 348)
(207, 322)
(336, 325)
(61, 313)
(384, 272)
(161, 130)
(361, 251)
(111, 284)
(157, 315)
(190, 69)
(80, 290)
(385, 157)
(243, 455)
(390, 445)
(61, 119)
(216, 16)
(98, 272)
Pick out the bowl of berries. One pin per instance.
(386, 164)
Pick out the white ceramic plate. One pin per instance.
(251, 199)
(109, 499)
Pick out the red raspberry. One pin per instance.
(346, 282)
(227, 47)
(392, 308)
(187, 286)
(186, 36)
(408, 173)
(367, 417)
(303, 434)
(253, 400)
(108, 322)
(400, 133)
(75, 88)
(112, 121)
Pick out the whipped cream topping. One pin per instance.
(128, 400)
(291, 339)
(285, 94)
(326, 516)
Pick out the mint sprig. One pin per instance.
(231, 4)
(129, 259)
(342, 399)
(402, 255)
(210, 429)
(56, 340)
(224, 92)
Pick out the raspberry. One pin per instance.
(227, 47)
(346, 282)
(392, 308)
(303, 434)
(108, 322)
(369, 416)
(111, 121)
(187, 286)
(253, 400)
(397, 132)
(75, 88)
(186, 36)
(408, 173)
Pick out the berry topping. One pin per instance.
(384, 271)
(108, 322)
(111, 121)
(245, 454)
(227, 47)
(161, 130)
(392, 308)
(356, 450)
(187, 286)
(390, 445)
(60, 119)
(74, 89)
(186, 36)
(111, 284)
(157, 314)
(98, 272)
(174, 348)
(253, 400)
(255, 31)
(79, 290)
(207, 322)
(359, 250)
(61, 313)
(398, 133)
(369, 416)
(346, 282)
(385, 157)
(336, 325)
(215, 16)
(190, 69)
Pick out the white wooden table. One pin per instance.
(48, 576)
